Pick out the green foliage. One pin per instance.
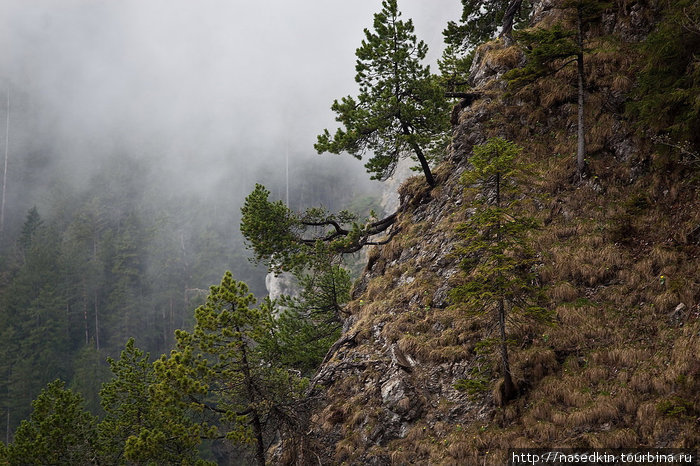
(89, 372)
(132, 414)
(269, 229)
(675, 407)
(477, 382)
(400, 107)
(33, 321)
(497, 157)
(32, 223)
(454, 67)
(497, 257)
(218, 374)
(543, 48)
(550, 50)
(668, 84)
(294, 242)
(309, 324)
(479, 22)
(547, 49)
(59, 431)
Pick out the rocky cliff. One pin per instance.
(618, 260)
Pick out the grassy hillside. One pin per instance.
(618, 258)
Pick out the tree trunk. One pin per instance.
(85, 314)
(421, 157)
(508, 19)
(257, 425)
(97, 325)
(581, 150)
(424, 165)
(509, 390)
(257, 430)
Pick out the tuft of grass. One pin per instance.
(562, 292)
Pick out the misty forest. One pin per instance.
(375, 232)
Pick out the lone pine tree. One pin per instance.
(497, 259)
(549, 50)
(400, 108)
(220, 373)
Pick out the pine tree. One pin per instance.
(132, 413)
(285, 240)
(309, 324)
(59, 431)
(85, 260)
(32, 223)
(550, 50)
(34, 321)
(497, 257)
(125, 401)
(400, 107)
(219, 374)
(90, 371)
(125, 304)
(482, 19)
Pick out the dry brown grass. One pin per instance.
(641, 382)
(535, 363)
(563, 292)
(601, 132)
(602, 255)
(619, 358)
(589, 262)
(554, 92)
(496, 56)
(666, 301)
(413, 190)
(377, 289)
(415, 346)
(626, 401)
(596, 414)
(621, 438)
(508, 57)
(542, 432)
(596, 374)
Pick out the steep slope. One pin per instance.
(618, 259)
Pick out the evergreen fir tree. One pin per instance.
(219, 375)
(59, 431)
(497, 257)
(550, 50)
(400, 107)
(309, 324)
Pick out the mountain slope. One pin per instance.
(618, 258)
